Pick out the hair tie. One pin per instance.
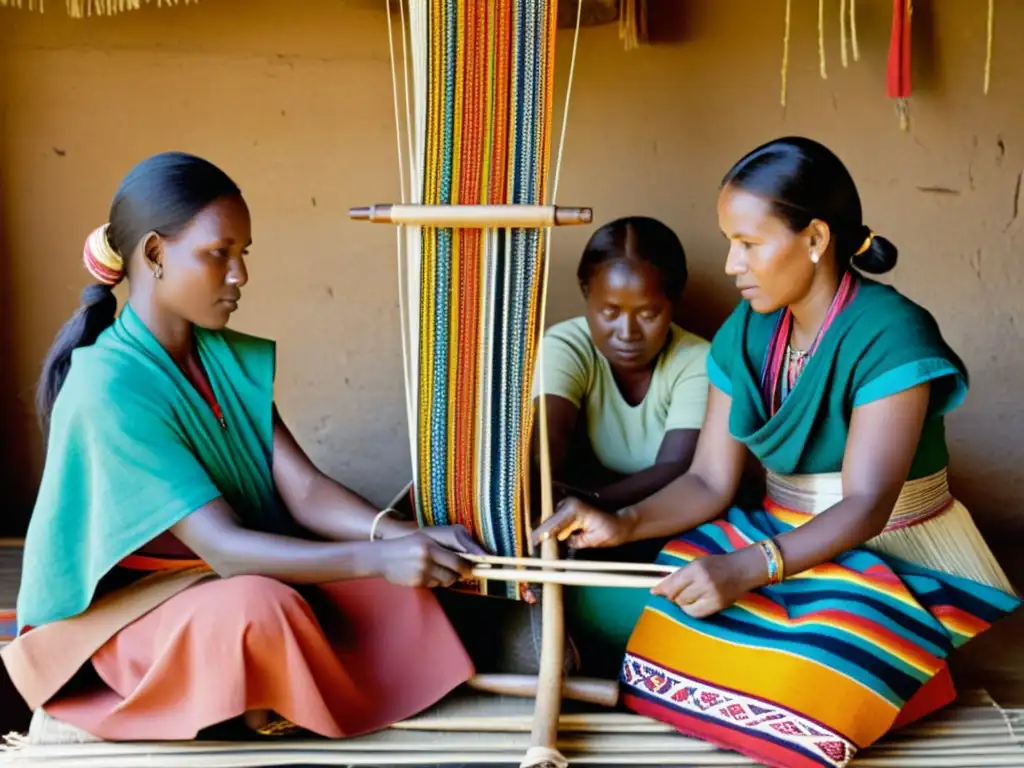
(103, 262)
(866, 244)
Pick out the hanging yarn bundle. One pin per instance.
(488, 117)
(78, 9)
(473, 280)
(897, 80)
(989, 35)
(632, 23)
(847, 33)
(478, 114)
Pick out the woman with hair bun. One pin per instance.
(800, 631)
(188, 570)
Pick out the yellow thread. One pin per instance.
(866, 244)
(821, 39)
(785, 52)
(842, 34)
(988, 43)
(853, 30)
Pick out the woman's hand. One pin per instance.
(713, 583)
(455, 538)
(582, 526)
(417, 560)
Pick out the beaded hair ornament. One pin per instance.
(103, 262)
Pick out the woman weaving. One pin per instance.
(860, 573)
(166, 465)
(626, 388)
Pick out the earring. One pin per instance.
(158, 272)
(814, 256)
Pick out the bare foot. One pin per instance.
(257, 719)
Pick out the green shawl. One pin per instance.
(134, 448)
(881, 344)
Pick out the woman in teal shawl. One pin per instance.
(859, 573)
(167, 466)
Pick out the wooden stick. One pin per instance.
(473, 216)
(591, 690)
(582, 722)
(571, 565)
(543, 751)
(556, 577)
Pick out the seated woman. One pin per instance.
(625, 378)
(625, 391)
(860, 574)
(167, 466)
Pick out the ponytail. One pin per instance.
(160, 195)
(94, 315)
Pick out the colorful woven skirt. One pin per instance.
(807, 672)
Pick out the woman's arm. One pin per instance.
(674, 458)
(880, 449)
(700, 495)
(318, 503)
(333, 512)
(215, 534)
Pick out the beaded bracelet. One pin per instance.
(776, 566)
(377, 519)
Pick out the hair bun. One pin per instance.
(879, 257)
(103, 262)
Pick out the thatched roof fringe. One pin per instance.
(78, 9)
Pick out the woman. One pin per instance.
(625, 390)
(632, 380)
(167, 467)
(860, 573)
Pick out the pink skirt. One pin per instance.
(374, 654)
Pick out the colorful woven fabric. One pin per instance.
(487, 118)
(8, 627)
(870, 630)
(806, 672)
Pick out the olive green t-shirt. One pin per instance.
(625, 438)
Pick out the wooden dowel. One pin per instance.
(577, 722)
(604, 693)
(473, 216)
(570, 565)
(570, 578)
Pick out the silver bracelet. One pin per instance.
(376, 521)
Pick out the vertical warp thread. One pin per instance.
(487, 116)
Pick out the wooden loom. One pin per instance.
(478, 107)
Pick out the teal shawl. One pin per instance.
(881, 344)
(134, 448)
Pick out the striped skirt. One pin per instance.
(807, 672)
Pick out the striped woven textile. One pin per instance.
(8, 627)
(485, 115)
(805, 673)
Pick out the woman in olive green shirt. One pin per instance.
(626, 390)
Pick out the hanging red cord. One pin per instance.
(897, 80)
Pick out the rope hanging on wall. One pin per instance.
(897, 81)
(632, 23)
(847, 40)
(989, 34)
